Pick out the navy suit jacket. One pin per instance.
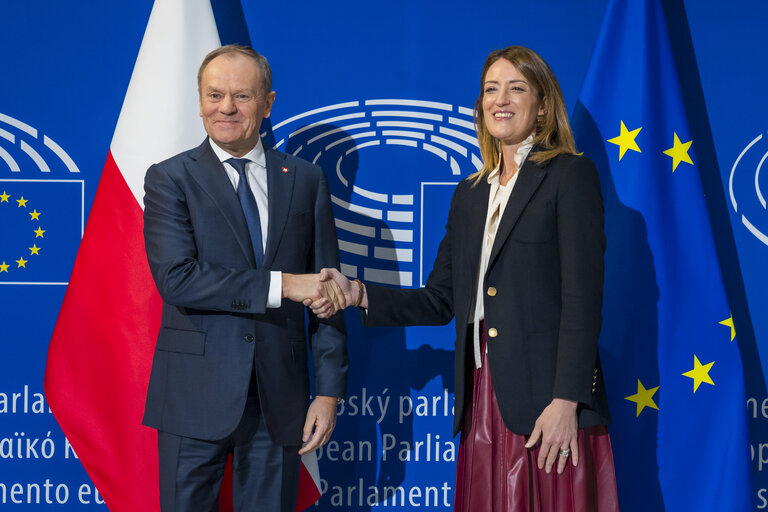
(542, 291)
(215, 323)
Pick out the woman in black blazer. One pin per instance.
(521, 266)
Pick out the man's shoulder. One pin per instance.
(190, 154)
(179, 166)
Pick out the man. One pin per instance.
(229, 226)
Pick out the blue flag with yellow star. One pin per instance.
(42, 224)
(673, 371)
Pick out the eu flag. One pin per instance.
(673, 370)
(42, 222)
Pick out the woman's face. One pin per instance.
(510, 104)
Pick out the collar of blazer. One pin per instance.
(206, 169)
(530, 177)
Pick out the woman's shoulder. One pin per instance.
(569, 167)
(467, 184)
(570, 160)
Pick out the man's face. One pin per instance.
(232, 102)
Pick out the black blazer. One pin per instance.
(215, 324)
(543, 291)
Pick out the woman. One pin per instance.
(521, 269)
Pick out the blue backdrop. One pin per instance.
(380, 96)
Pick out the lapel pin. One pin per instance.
(285, 170)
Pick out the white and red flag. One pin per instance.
(101, 352)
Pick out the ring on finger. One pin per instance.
(565, 452)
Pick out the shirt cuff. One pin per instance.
(275, 296)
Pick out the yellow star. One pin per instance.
(4, 267)
(39, 233)
(34, 250)
(22, 262)
(4, 197)
(626, 140)
(728, 322)
(35, 215)
(643, 398)
(679, 153)
(700, 373)
(22, 202)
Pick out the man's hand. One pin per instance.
(325, 296)
(320, 422)
(558, 430)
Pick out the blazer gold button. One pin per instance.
(491, 291)
(493, 332)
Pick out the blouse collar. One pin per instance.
(520, 155)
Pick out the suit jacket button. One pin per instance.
(249, 338)
(492, 332)
(491, 291)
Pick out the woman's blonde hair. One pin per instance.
(553, 133)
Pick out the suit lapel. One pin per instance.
(280, 179)
(474, 230)
(475, 224)
(531, 176)
(209, 173)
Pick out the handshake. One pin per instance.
(324, 293)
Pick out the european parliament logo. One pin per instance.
(42, 216)
(747, 193)
(392, 165)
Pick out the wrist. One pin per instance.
(565, 404)
(329, 399)
(286, 285)
(364, 298)
(360, 293)
(296, 287)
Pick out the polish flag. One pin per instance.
(101, 352)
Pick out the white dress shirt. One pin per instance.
(497, 202)
(256, 170)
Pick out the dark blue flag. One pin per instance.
(673, 371)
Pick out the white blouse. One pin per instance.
(497, 202)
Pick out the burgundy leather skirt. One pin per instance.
(496, 473)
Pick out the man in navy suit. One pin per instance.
(233, 228)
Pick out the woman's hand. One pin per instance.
(558, 430)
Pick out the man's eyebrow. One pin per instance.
(250, 90)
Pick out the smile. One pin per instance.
(503, 115)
